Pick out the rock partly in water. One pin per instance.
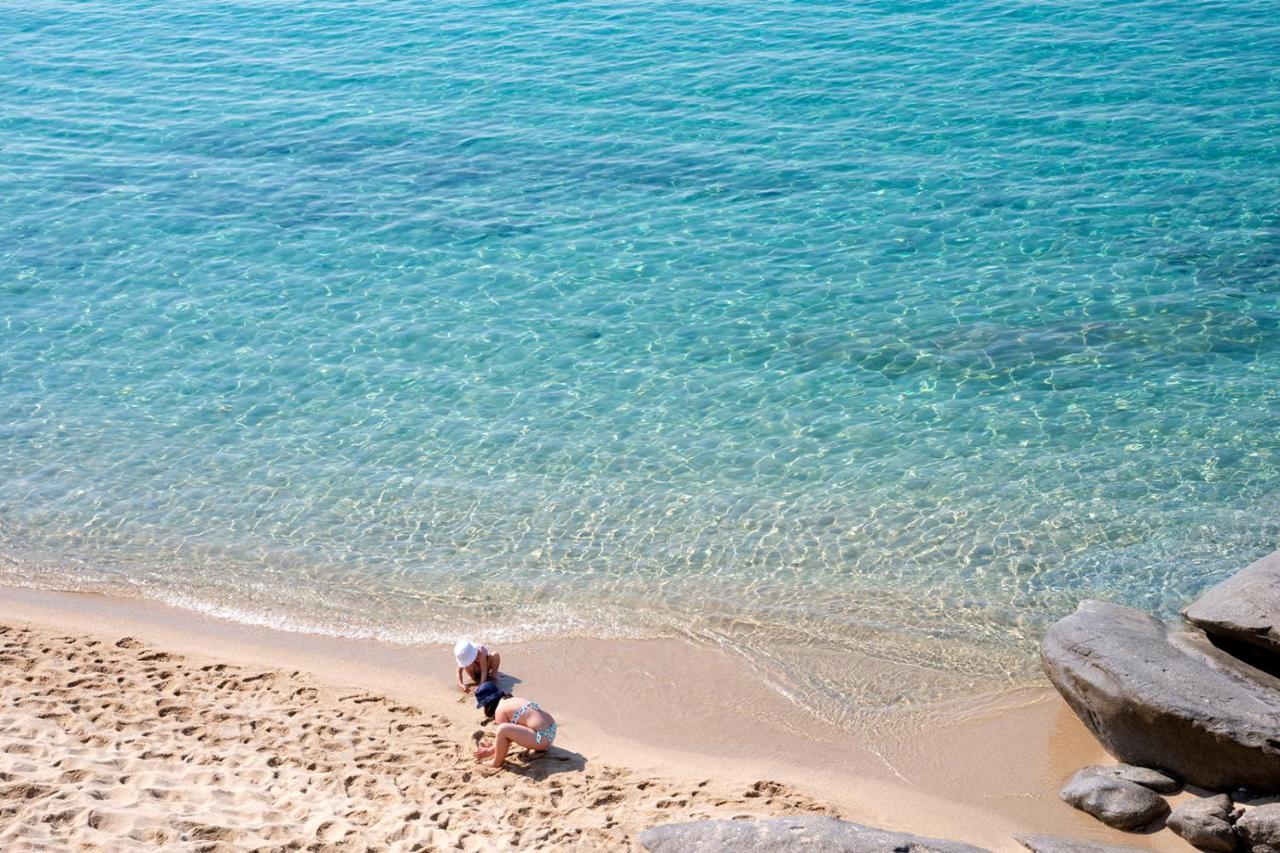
(1245, 607)
(783, 834)
(1206, 823)
(1161, 783)
(1115, 802)
(1156, 697)
(1052, 844)
(1259, 829)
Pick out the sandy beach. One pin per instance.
(126, 723)
(813, 403)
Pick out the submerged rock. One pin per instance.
(1259, 829)
(1245, 607)
(1053, 844)
(1161, 783)
(1116, 802)
(1206, 823)
(781, 834)
(1169, 699)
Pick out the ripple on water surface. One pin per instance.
(850, 337)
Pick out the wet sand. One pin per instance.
(125, 722)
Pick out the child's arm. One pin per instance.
(484, 668)
(461, 686)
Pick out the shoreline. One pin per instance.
(670, 710)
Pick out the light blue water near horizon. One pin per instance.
(847, 335)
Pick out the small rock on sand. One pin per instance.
(1052, 844)
(1116, 802)
(1159, 782)
(1259, 829)
(779, 835)
(1205, 824)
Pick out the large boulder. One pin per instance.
(1170, 699)
(1259, 829)
(783, 834)
(1245, 607)
(1053, 844)
(1206, 823)
(1116, 802)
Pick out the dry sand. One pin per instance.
(129, 724)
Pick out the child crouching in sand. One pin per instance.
(519, 721)
(477, 662)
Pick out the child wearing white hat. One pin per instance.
(477, 662)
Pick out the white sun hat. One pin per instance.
(465, 651)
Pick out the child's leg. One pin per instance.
(509, 733)
(495, 663)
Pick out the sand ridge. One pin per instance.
(112, 744)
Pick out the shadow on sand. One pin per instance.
(540, 765)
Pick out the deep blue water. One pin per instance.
(815, 329)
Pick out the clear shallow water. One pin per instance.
(814, 329)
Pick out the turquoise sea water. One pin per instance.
(847, 335)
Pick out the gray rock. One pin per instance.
(1170, 699)
(782, 834)
(1206, 823)
(1115, 802)
(1245, 607)
(1259, 829)
(1159, 782)
(1052, 844)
